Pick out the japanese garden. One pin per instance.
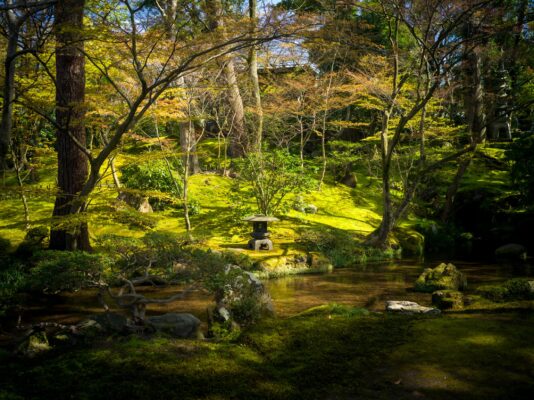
(277, 199)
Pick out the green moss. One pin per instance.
(443, 277)
(513, 289)
(330, 351)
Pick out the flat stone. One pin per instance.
(409, 307)
(260, 218)
(178, 325)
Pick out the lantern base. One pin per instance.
(260, 244)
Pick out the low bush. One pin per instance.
(513, 289)
(57, 271)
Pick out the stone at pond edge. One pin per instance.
(88, 328)
(184, 326)
(111, 322)
(409, 307)
(448, 299)
(513, 251)
(443, 277)
(35, 343)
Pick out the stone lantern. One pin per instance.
(260, 235)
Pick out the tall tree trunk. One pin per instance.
(253, 71)
(70, 117)
(238, 141)
(6, 124)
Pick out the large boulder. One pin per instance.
(448, 299)
(184, 326)
(512, 251)
(409, 307)
(111, 322)
(443, 277)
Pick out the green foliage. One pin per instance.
(513, 289)
(35, 240)
(57, 271)
(268, 178)
(343, 248)
(520, 153)
(151, 176)
(155, 253)
(5, 246)
(13, 279)
(134, 219)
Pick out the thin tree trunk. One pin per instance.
(238, 141)
(169, 12)
(6, 123)
(189, 148)
(253, 70)
(20, 181)
(323, 136)
(70, 117)
(115, 175)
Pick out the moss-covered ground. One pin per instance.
(353, 212)
(330, 352)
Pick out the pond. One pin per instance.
(367, 286)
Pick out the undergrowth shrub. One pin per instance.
(13, 279)
(56, 271)
(342, 248)
(513, 289)
(151, 176)
(36, 239)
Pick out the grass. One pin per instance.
(329, 352)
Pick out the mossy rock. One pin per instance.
(34, 344)
(290, 265)
(448, 299)
(443, 277)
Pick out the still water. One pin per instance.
(368, 286)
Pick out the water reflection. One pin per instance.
(363, 286)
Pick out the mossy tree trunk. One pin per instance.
(70, 118)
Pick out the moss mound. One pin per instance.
(513, 289)
(443, 277)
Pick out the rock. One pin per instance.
(184, 326)
(409, 307)
(350, 179)
(144, 206)
(513, 251)
(112, 322)
(35, 343)
(448, 299)
(443, 277)
(310, 209)
(141, 204)
(88, 328)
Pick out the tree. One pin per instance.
(70, 119)
(148, 64)
(429, 29)
(15, 15)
